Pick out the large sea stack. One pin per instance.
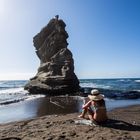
(55, 75)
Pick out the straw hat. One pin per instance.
(95, 95)
(95, 92)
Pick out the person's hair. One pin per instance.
(100, 102)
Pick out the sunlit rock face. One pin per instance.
(56, 72)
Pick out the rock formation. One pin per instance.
(56, 72)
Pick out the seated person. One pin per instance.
(95, 107)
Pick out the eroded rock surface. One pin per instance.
(56, 72)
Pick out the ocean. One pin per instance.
(17, 104)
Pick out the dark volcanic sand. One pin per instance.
(124, 124)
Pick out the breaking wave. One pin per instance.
(137, 81)
(13, 91)
(14, 95)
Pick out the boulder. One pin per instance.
(55, 74)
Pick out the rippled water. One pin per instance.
(13, 91)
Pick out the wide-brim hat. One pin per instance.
(96, 97)
(95, 92)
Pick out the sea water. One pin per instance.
(17, 104)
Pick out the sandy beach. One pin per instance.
(123, 124)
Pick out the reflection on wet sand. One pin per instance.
(39, 107)
(58, 105)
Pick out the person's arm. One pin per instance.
(87, 105)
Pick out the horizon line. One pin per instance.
(78, 78)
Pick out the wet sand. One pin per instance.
(123, 124)
(38, 107)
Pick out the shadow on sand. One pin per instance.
(121, 125)
(11, 138)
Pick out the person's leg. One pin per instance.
(90, 114)
(84, 111)
(91, 117)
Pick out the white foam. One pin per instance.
(137, 90)
(16, 95)
(2, 82)
(87, 84)
(138, 81)
(93, 85)
(31, 97)
(13, 91)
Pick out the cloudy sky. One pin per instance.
(104, 36)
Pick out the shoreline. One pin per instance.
(42, 106)
(125, 124)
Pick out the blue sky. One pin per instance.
(104, 36)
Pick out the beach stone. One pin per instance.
(55, 74)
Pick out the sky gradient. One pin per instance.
(104, 36)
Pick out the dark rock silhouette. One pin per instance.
(56, 72)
